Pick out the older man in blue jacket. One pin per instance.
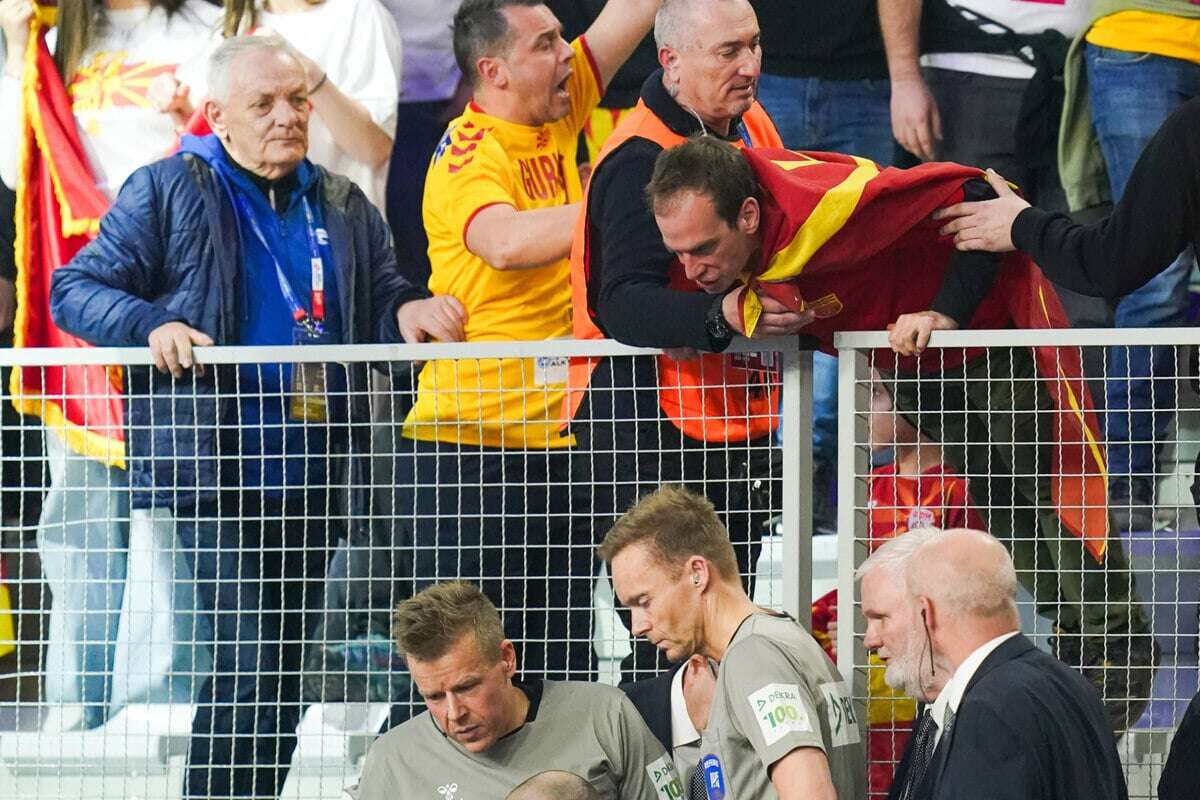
(240, 240)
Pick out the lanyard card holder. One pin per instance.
(309, 398)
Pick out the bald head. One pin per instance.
(966, 574)
(554, 785)
(678, 21)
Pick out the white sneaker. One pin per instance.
(63, 718)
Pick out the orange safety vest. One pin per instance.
(717, 397)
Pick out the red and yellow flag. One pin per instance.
(58, 212)
(856, 244)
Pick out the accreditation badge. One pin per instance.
(309, 397)
(714, 777)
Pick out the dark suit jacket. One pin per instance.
(652, 698)
(1181, 776)
(1028, 728)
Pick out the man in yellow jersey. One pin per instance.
(500, 205)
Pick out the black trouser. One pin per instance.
(626, 449)
(258, 565)
(501, 519)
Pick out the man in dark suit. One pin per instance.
(1178, 781)
(675, 708)
(1001, 718)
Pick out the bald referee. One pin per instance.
(781, 723)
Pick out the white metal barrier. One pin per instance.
(116, 606)
(1009, 431)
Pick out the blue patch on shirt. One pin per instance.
(714, 777)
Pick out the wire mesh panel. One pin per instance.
(196, 594)
(1081, 463)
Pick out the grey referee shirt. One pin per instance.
(777, 691)
(588, 729)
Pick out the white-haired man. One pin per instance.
(240, 240)
(1002, 719)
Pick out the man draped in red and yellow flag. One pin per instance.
(854, 245)
(58, 212)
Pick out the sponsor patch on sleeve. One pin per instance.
(843, 724)
(666, 783)
(779, 711)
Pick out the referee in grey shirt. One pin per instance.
(781, 723)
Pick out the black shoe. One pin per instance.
(1067, 647)
(1131, 503)
(1122, 669)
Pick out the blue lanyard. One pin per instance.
(316, 264)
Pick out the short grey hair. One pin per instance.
(674, 19)
(220, 63)
(554, 785)
(896, 553)
(984, 591)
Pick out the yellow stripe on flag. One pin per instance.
(825, 220)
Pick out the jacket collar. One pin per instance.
(1013, 648)
(284, 190)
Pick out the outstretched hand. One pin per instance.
(985, 224)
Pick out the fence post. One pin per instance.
(797, 485)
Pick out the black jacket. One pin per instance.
(1157, 217)
(1028, 728)
(1181, 775)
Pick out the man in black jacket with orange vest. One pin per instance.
(626, 287)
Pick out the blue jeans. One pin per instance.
(259, 565)
(1131, 95)
(841, 117)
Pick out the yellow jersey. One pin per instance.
(484, 161)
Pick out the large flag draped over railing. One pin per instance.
(845, 233)
(58, 212)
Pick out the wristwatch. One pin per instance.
(715, 324)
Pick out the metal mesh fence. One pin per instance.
(215, 608)
(991, 430)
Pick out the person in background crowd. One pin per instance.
(352, 58)
(675, 707)
(252, 500)
(828, 91)
(1001, 719)
(1136, 62)
(781, 724)
(642, 421)
(432, 92)
(501, 196)
(1158, 214)
(742, 221)
(487, 731)
(976, 97)
(917, 490)
(132, 68)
